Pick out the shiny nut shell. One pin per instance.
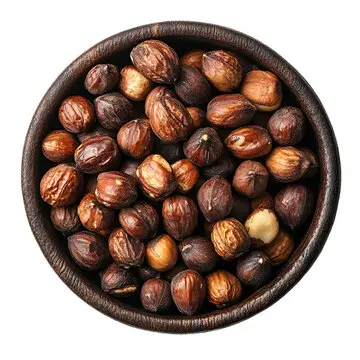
(101, 78)
(279, 250)
(186, 174)
(193, 58)
(65, 219)
(59, 146)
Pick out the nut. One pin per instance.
(172, 152)
(156, 94)
(116, 189)
(59, 146)
(157, 61)
(250, 179)
(65, 219)
(188, 290)
(76, 114)
(204, 147)
(279, 250)
(133, 84)
(241, 207)
(224, 167)
(136, 138)
(96, 131)
(249, 142)
(230, 238)
(287, 126)
(129, 167)
(215, 198)
(198, 253)
(97, 154)
(61, 185)
(223, 288)
(263, 89)
(146, 273)
(230, 110)
(264, 201)
(198, 116)
(254, 269)
(223, 69)
(162, 253)
(193, 58)
(186, 174)
(126, 250)
(88, 250)
(294, 204)
(101, 79)
(140, 220)
(155, 296)
(314, 163)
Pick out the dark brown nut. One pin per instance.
(162, 253)
(97, 154)
(146, 273)
(287, 164)
(140, 220)
(287, 126)
(65, 219)
(254, 269)
(241, 207)
(230, 110)
(157, 61)
(133, 84)
(126, 250)
(279, 250)
(249, 142)
(314, 163)
(118, 282)
(192, 88)
(198, 116)
(198, 253)
(59, 146)
(230, 238)
(204, 147)
(101, 79)
(61, 185)
(113, 110)
(264, 201)
(180, 216)
(186, 174)
(193, 58)
(262, 226)
(188, 291)
(76, 114)
(156, 94)
(129, 167)
(223, 288)
(172, 152)
(155, 295)
(178, 268)
(261, 118)
(263, 89)
(224, 167)
(88, 250)
(215, 198)
(223, 69)
(116, 189)
(95, 216)
(156, 177)
(250, 179)
(96, 132)
(294, 204)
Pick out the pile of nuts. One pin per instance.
(172, 203)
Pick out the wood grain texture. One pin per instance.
(213, 36)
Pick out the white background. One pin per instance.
(42, 319)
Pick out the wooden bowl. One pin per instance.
(183, 36)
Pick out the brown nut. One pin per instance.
(101, 78)
(287, 164)
(96, 131)
(215, 198)
(263, 89)
(264, 201)
(88, 250)
(223, 69)
(162, 253)
(155, 296)
(314, 163)
(249, 142)
(204, 147)
(129, 167)
(180, 216)
(250, 179)
(156, 94)
(59, 146)
(95, 216)
(224, 166)
(188, 290)
(230, 238)
(126, 250)
(230, 110)
(157, 61)
(223, 288)
(65, 219)
(146, 273)
(156, 177)
(186, 174)
(136, 138)
(61, 185)
(287, 126)
(140, 220)
(76, 114)
(241, 207)
(279, 250)
(133, 84)
(193, 58)
(97, 154)
(198, 116)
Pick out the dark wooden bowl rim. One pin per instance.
(302, 259)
